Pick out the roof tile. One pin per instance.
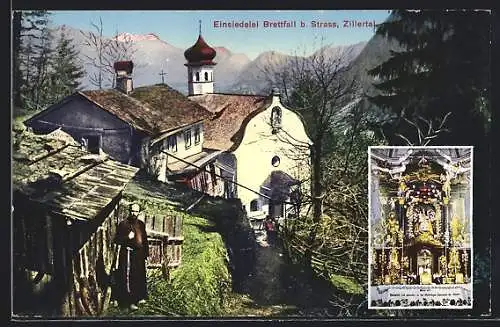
(152, 109)
(231, 112)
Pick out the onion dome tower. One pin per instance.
(200, 67)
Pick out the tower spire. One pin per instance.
(199, 26)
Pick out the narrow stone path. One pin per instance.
(281, 288)
(265, 283)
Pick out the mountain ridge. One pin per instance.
(233, 72)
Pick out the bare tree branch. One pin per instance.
(106, 53)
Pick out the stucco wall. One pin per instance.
(160, 159)
(260, 145)
(183, 152)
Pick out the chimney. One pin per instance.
(123, 70)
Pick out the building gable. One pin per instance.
(273, 121)
(75, 112)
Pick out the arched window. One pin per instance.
(276, 119)
(254, 205)
(206, 76)
(197, 76)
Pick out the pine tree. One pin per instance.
(16, 47)
(31, 45)
(443, 68)
(66, 71)
(40, 83)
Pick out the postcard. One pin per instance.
(268, 163)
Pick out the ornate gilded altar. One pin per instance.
(421, 231)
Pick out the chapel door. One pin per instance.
(277, 210)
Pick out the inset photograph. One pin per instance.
(420, 227)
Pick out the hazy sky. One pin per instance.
(180, 28)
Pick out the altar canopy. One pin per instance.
(420, 227)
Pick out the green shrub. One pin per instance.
(346, 284)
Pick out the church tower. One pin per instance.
(200, 67)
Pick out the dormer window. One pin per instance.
(276, 119)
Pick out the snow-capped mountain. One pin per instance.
(153, 55)
(127, 37)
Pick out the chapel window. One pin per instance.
(276, 119)
(92, 143)
(275, 161)
(206, 76)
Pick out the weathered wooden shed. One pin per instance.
(64, 219)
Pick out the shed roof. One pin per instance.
(68, 179)
(232, 112)
(174, 194)
(191, 163)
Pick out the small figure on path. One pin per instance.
(131, 237)
(270, 227)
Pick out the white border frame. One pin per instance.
(471, 185)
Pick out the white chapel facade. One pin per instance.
(265, 150)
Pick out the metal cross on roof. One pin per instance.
(199, 26)
(162, 74)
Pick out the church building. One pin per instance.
(265, 147)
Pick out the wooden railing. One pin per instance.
(164, 236)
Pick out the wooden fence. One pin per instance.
(164, 236)
(92, 265)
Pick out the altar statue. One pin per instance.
(442, 265)
(424, 227)
(394, 265)
(392, 230)
(454, 262)
(446, 185)
(456, 228)
(424, 223)
(402, 189)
